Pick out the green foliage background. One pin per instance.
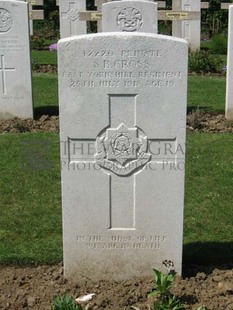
(214, 20)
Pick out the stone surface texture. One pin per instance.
(15, 64)
(229, 87)
(122, 116)
(189, 30)
(130, 16)
(70, 25)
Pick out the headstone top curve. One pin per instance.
(122, 35)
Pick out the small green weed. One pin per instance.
(35, 65)
(163, 283)
(65, 302)
(194, 119)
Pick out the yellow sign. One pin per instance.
(176, 15)
(96, 16)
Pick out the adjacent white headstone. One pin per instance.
(189, 30)
(15, 65)
(70, 25)
(130, 16)
(229, 88)
(122, 115)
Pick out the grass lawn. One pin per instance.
(44, 57)
(207, 93)
(208, 233)
(45, 93)
(31, 225)
(30, 222)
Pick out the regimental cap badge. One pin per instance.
(6, 20)
(129, 19)
(121, 151)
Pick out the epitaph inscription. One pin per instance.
(121, 242)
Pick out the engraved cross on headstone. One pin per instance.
(70, 23)
(3, 70)
(122, 152)
(71, 15)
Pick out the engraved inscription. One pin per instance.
(129, 19)
(98, 54)
(124, 53)
(123, 147)
(6, 20)
(122, 242)
(133, 69)
(11, 42)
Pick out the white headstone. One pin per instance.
(15, 65)
(122, 115)
(229, 88)
(189, 30)
(70, 25)
(130, 16)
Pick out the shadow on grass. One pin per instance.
(54, 110)
(206, 256)
(46, 110)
